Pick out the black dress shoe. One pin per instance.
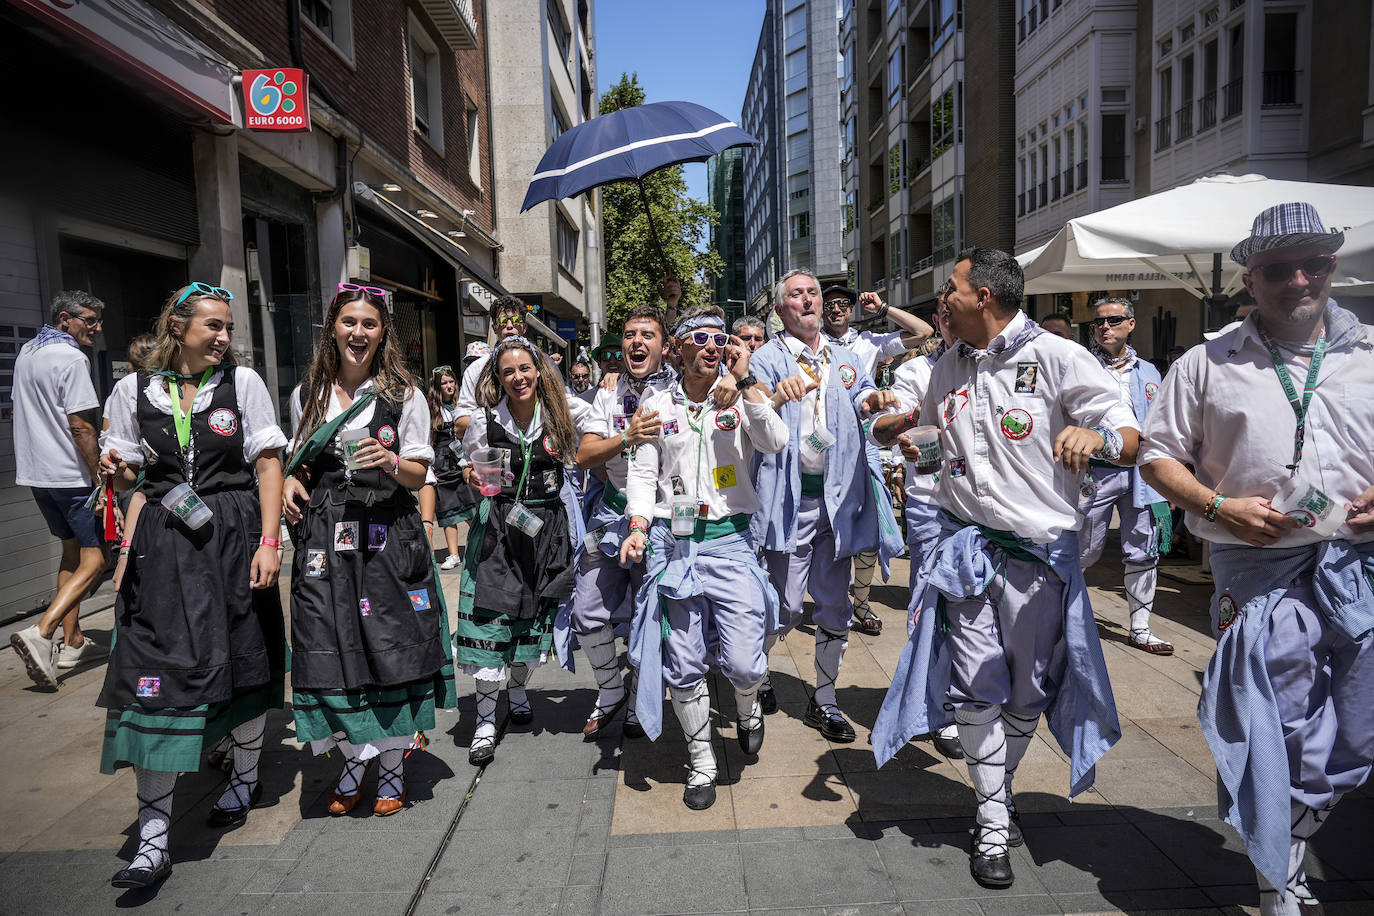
(633, 729)
(768, 701)
(221, 818)
(143, 877)
(751, 740)
(990, 871)
(524, 717)
(699, 798)
(948, 747)
(831, 724)
(1014, 835)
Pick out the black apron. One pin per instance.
(454, 498)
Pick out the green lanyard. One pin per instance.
(701, 443)
(1299, 406)
(182, 420)
(524, 453)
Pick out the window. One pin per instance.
(896, 169)
(943, 21)
(567, 244)
(1186, 33)
(474, 145)
(944, 239)
(1068, 161)
(1113, 147)
(943, 122)
(426, 92)
(1235, 72)
(851, 202)
(796, 112)
(1185, 101)
(895, 251)
(849, 139)
(1207, 104)
(562, 38)
(892, 7)
(896, 70)
(795, 64)
(799, 226)
(560, 122)
(794, 23)
(1163, 135)
(848, 68)
(1280, 59)
(333, 21)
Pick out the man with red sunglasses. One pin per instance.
(1275, 418)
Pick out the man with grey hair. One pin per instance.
(56, 454)
(1146, 525)
(750, 331)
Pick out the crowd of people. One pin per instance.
(685, 496)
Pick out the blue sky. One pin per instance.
(696, 50)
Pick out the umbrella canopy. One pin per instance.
(629, 144)
(1182, 238)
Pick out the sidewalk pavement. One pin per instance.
(559, 825)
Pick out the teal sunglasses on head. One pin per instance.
(207, 289)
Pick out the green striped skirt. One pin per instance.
(173, 740)
(490, 640)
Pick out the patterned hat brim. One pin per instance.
(1329, 241)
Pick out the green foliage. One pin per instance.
(633, 266)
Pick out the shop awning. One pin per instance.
(426, 234)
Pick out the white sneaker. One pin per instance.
(450, 562)
(37, 654)
(89, 651)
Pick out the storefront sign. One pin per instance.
(566, 328)
(277, 99)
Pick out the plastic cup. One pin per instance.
(488, 468)
(183, 502)
(1309, 507)
(684, 515)
(350, 439)
(926, 439)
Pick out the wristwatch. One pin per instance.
(741, 384)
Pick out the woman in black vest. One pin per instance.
(455, 501)
(513, 580)
(200, 646)
(369, 638)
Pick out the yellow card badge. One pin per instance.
(725, 476)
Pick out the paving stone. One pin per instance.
(363, 861)
(702, 878)
(1010, 903)
(515, 805)
(581, 901)
(350, 904)
(1207, 850)
(517, 900)
(1107, 856)
(824, 872)
(935, 866)
(476, 862)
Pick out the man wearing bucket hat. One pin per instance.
(871, 349)
(1282, 490)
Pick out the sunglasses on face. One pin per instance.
(509, 321)
(205, 288)
(700, 338)
(1112, 320)
(581, 377)
(355, 288)
(1313, 268)
(609, 355)
(835, 305)
(91, 321)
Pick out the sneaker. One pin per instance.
(37, 655)
(89, 651)
(450, 562)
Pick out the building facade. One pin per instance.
(544, 83)
(135, 173)
(762, 218)
(725, 191)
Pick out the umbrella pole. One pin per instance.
(653, 231)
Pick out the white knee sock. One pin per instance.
(519, 677)
(1018, 731)
(985, 747)
(747, 707)
(391, 773)
(829, 656)
(154, 816)
(1140, 599)
(247, 748)
(864, 564)
(485, 733)
(599, 647)
(693, 708)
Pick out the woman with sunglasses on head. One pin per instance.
(518, 567)
(453, 496)
(369, 636)
(200, 651)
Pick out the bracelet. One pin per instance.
(1213, 506)
(880, 313)
(123, 551)
(124, 544)
(912, 418)
(745, 383)
(269, 542)
(1111, 444)
(395, 464)
(428, 521)
(624, 443)
(636, 526)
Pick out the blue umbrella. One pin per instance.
(629, 144)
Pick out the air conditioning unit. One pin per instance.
(1140, 125)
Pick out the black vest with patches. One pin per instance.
(216, 443)
(545, 478)
(370, 487)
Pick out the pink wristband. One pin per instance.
(269, 542)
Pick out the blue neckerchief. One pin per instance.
(1238, 712)
(671, 571)
(1024, 336)
(1126, 359)
(847, 340)
(1082, 717)
(46, 336)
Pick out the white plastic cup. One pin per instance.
(488, 468)
(926, 439)
(183, 502)
(1309, 507)
(684, 515)
(350, 439)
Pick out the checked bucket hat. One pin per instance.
(1287, 226)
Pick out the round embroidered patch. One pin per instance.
(1017, 424)
(1226, 612)
(848, 375)
(1303, 517)
(727, 419)
(387, 436)
(548, 447)
(1151, 389)
(223, 421)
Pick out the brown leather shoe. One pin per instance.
(342, 804)
(596, 723)
(385, 807)
(1150, 643)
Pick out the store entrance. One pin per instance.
(279, 294)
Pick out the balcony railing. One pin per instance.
(1083, 174)
(1044, 10)
(1162, 138)
(923, 265)
(1044, 193)
(880, 284)
(1068, 181)
(1207, 111)
(1020, 205)
(1054, 188)
(455, 22)
(1021, 30)
(1032, 19)
(1030, 200)
(1184, 117)
(1280, 87)
(1233, 95)
(1114, 169)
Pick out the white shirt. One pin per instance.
(609, 418)
(50, 384)
(910, 385)
(812, 406)
(467, 391)
(871, 348)
(1001, 413)
(711, 458)
(476, 436)
(257, 413)
(412, 430)
(1222, 409)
